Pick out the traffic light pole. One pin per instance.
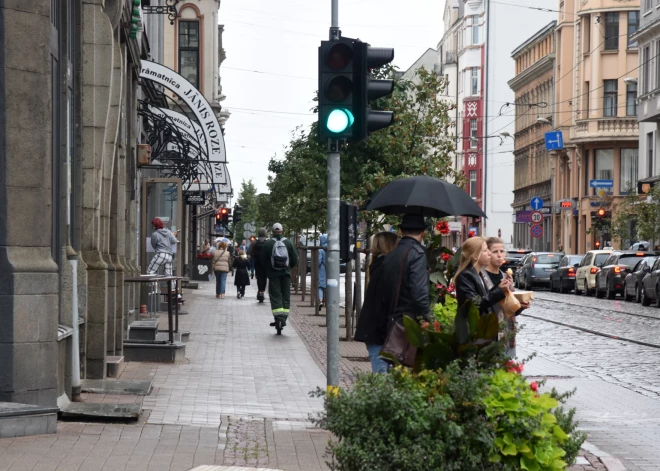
(332, 268)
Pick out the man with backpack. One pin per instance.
(259, 268)
(278, 256)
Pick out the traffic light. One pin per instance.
(601, 213)
(368, 89)
(225, 215)
(336, 87)
(597, 244)
(346, 88)
(218, 217)
(238, 214)
(252, 238)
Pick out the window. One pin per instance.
(631, 99)
(646, 70)
(585, 172)
(604, 165)
(472, 160)
(610, 98)
(657, 66)
(612, 31)
(629, 158)
(473, 183)
(647, 5)
(474, 81)
(633, 26)
(189, 51)
(473, 134)
(475, 29)
(649, 147)
(586, 43)
(587, 97)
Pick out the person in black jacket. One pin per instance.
(372, 323)
(468, 279)
(260, 270)
(414, 298)
(242, 278)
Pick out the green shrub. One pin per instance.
(445, 313)
(528, 436)
(566, 420)
(408, 422)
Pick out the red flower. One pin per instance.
(446, 257)
(534, 386)
(439, 286)
(436, 326)
(425, 325)
(513, 367)
(471, 234)
(442, 227)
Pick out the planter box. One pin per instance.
(202, 270)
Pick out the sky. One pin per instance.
(269, 75)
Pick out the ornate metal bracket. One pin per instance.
(168, 9)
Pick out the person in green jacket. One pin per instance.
(278, 256)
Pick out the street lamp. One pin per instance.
(543, 120)
(630, 80)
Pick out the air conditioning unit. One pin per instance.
(143, 155)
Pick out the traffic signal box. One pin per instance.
(346, 87)
(238, 214)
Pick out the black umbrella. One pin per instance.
(424, 195)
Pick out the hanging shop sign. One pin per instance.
(198, 105)
(193, 198)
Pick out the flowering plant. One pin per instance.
(442, 227)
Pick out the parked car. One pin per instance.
(563, 278)
(651, 285)
(513, 259)
(632, 284)
(585, 278)
(537, 267)
(609, 280)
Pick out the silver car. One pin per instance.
(537, 268)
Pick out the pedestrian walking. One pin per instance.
(278, 257)
(323, 258)
(162, 240)
(221, 263)
(469, 278)
(372, 323)
(255, 255)
(242, 278)
(405, 266)
(243, 246)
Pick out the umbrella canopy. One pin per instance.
(424, 195)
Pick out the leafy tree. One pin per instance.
(420, 142)
(247, 200)
(637, 217)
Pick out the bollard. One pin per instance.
(358, 287)
(348, 310)
(304, 272)
(314, 289)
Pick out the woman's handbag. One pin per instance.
(396, 343)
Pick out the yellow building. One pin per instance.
(595, 108)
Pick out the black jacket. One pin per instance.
(374, 316)
(242, 277)
(470, 286)
(414, 299)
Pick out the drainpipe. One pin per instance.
(75, 337)
(486, 96)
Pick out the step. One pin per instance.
(22, 420)
(191, 285)
(184, 334)
(116, 387)
(145, 329)
(116, 366)
(156, 352)
(102, 411)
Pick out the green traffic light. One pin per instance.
(339, 120)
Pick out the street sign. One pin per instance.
(554, 140)
(194, 198)
(601, 183)
(536, 203)
(536, 231)
(536, 217)
(565, 204)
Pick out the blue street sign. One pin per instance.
(554, 140)
(536, 203)
(601, 183)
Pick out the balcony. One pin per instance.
(605, 129)
(450, 58)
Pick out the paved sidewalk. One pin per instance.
(240, 399)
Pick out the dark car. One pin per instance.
(609, 280)
(563, 278)
(632, 285)
(513, 258)
(651, 285)
(537, 267)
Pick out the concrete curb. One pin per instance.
(610, 462)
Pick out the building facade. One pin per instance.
(533, 86)
(648, 106)
(595, 108)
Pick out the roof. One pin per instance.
(430, 53)
(539, 34)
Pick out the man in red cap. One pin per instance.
(161, 241)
